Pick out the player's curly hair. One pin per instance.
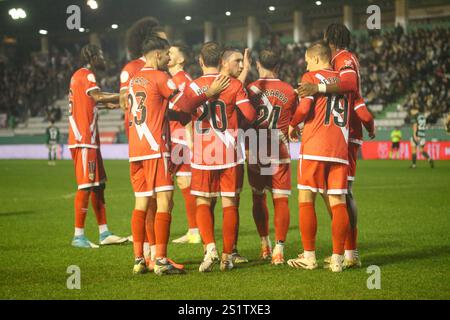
(137, 34)
(88, 52)
(338, 35)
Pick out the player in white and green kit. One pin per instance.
(419, 123)
(52, 134)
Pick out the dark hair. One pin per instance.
(88, 52)
(338, 35)
(211, 53)
(137, 34)
(269, 59)
(153, 42)
(320, 48)
(184, 50)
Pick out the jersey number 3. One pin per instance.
(142, 109)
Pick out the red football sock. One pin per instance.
(351, 239)
(282, 218)
(205, 223)
(162, 232)
(189, 201)
(339, 227)
(150, 222)
(261, 214)
(138, 232)
(308, 225)
(229, 228)
(81, 207)
(98, 204)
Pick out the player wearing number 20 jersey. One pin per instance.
(215, 137)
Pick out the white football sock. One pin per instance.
(153, 252)
(210, 247)
(310, 254)
(349, 254)
(146, 249)
(265, 241)
(102, 228)
(194, 231)
(79, 232)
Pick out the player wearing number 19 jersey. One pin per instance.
(215, 161)
(275, 102)
(323, 158)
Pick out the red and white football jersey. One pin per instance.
(83, 129)
(150, 91)
(128, 72)
(275, 102)
(216, 125)
(344, 61)
(326, 116)
(177, 130)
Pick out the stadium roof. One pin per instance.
(51, 14)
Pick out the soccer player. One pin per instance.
(136, 35)
(84, 144)
(237, 66)
(323, 158)
(216, 159)
(396, 137)
(181, 137)
(52, 133)
(150, 92)
(275, 102)
(346, 63)
(418, 140)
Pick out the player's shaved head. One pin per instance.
(211, 54)
(138, 32)
(269, 59)
(320, 49)
(228, 52)
(338, 35)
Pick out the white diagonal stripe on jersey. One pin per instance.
(266, 101)
(75, 130)
(226, 138)
(93, 126)
(343, 129)
(143, 130)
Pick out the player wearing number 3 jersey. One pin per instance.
(150, 92)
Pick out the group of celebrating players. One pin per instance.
(191, 131)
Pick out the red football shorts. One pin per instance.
(89, 170)
(180, 156)
(352, 156)
(150, 176)
(322, 176)
(214, 183)
(278, 180)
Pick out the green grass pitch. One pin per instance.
(404, 228)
